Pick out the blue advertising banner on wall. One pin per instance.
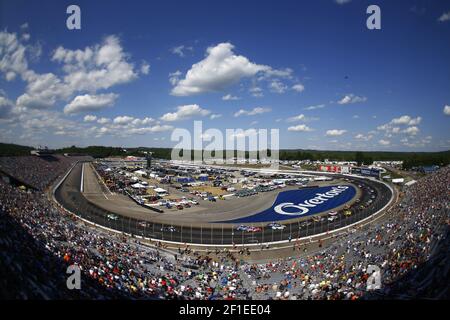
(301, 203)
(370, 172)
(356, 170)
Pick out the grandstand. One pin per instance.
(28, 170)
(40, 239)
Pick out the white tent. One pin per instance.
(138, 186)
(321, 178)
(410, 183)
(140, 172)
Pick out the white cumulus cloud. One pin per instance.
(300, 128)
(180, 50)
(363, 137)
(446, 110)
(145, 68)
(185, 112)
(215, 116)
(89, 102)
(256, 92)
(411, 131)
(230, 97)
(335, 132)
(406, 120)
(277, 86)
(122, 120)
(444, 17)
(89, 118)
(300, 117)
(253, 112)
(298, 87)
(103, 120)
(351, 98)
(219, 69)
(95, 67)
(315, 107)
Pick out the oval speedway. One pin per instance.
(68, 194)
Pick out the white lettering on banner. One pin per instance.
(311, 203)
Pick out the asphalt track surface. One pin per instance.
(197, 215)
(205, 213)
(68, 194)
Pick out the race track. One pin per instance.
(68, 194)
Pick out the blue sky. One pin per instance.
(138, 69)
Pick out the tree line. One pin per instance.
(410, 159)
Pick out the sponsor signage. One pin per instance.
(370, 172)
(335, 169)
(356, 170)
(345, 169)
(299, 209)
(302, 203)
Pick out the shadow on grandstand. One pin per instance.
(429, 281)
(48, 158)
(30, 271)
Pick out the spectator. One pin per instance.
(39, 240)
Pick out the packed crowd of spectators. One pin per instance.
(415, 230)
(37, 171)
(39, 240)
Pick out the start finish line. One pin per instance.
(302, 203)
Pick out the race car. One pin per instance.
(254, 229)
(168, 229)
(318, 219)
(112, 216)
(248, 228)
(242, 228)
(305, 224)
(144, 224)
(332, 218)
(276, 226)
